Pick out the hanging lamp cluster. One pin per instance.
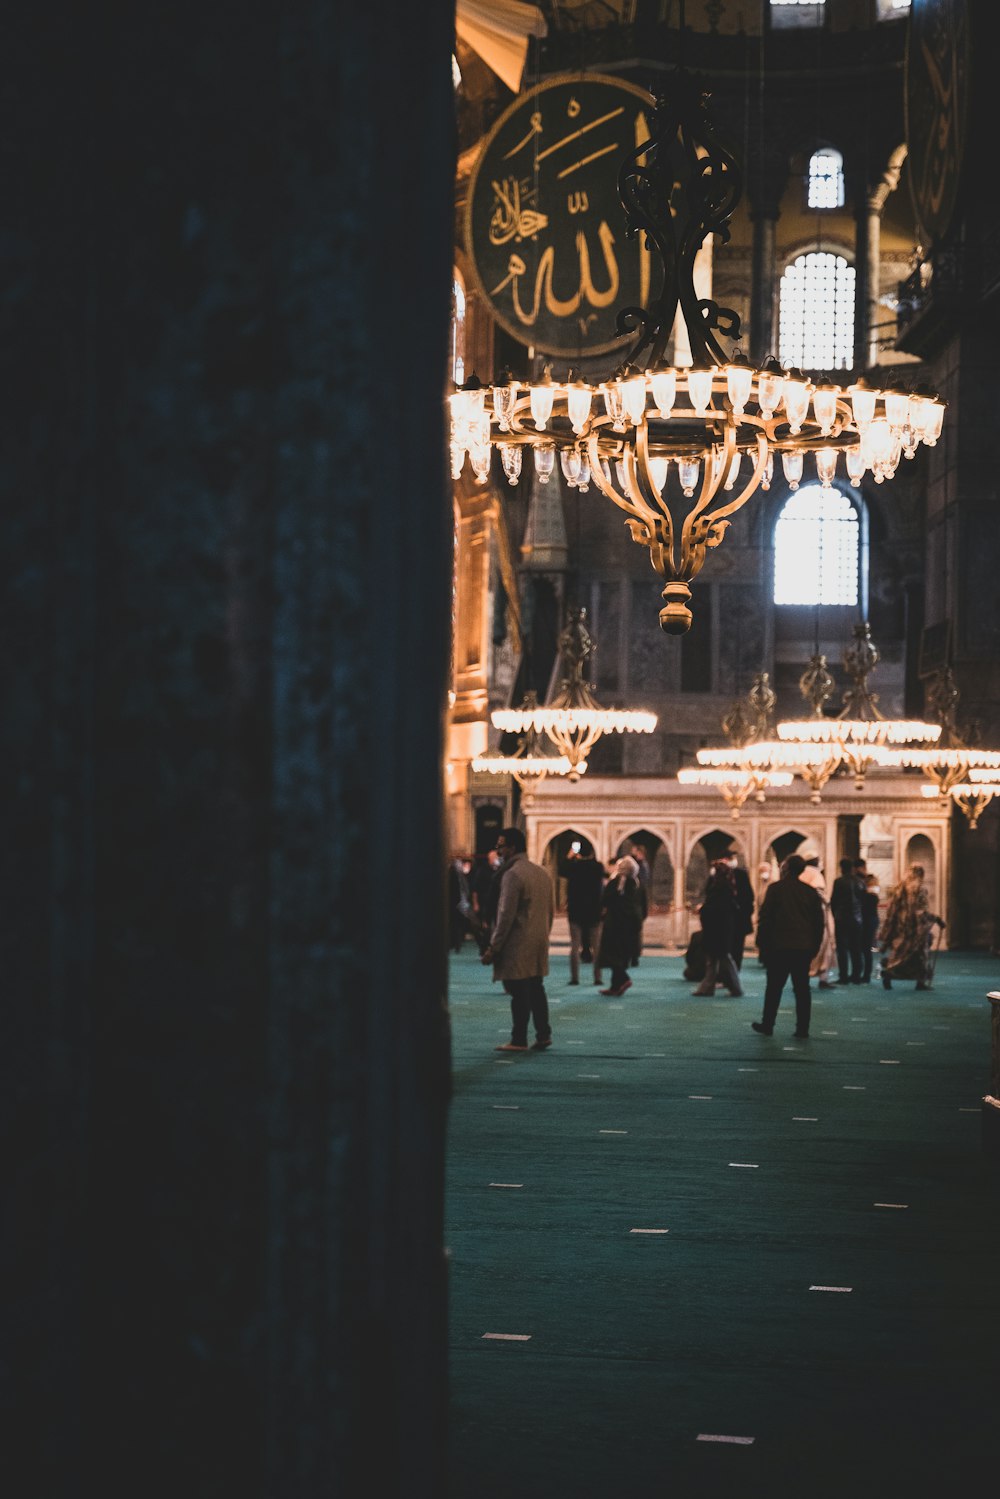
(531, 762)
(574, 720)
(681, 450)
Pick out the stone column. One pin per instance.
(230, 557)
(868, 264)
(763, 290)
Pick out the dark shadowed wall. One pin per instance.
(226, 639)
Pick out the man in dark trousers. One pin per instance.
(585, 882)
(789, 933)
(519, 941)
(641, 857)
(845, 904)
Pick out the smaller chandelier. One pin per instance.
(574, 720)
(971, 797)
(737, 786)
(529, 764)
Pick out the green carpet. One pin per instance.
(764, 1160)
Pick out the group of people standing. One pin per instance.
(798, 930)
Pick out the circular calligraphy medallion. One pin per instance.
(937, 74)
(545, 227)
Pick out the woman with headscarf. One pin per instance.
(906, 932)
(622, 908)
(720, 914)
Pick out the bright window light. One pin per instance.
(458, 331)
(826, 180)
(816, 549)
(816, 315)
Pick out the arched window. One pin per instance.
(458, 329)
(816, 313)
(816, 549)
(826, 179)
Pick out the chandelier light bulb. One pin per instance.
(613, 404)
(791, 464)
(634, 397)
(571, 464)
(545, 462)
(826, 466)
(854, 460)
(897, 410)
(583, 482)
(542, 399)
(578, 398)
(825, 407)
(796, 398)
(511, 457)
(739, 383)
(621, 475)
(658, 469)
(734, 470)
(700, 389)
(504, 397)
(768, 474)
(862, 405)
(664, 385)
(688, 470)
(770, 387)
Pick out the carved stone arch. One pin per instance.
(664, 878)
(693, 875)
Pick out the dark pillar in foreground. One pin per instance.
(227, 645)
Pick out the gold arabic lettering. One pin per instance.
(563, 307)
(508, 219)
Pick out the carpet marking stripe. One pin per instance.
(706, 1096)
(805, 1119)
(969, 1111)
(831, 1288)
(829, 1033)
(612, 1131)
(745, 1165)
(853, 1088)
(888, 1062)
(511, 1108)
(890, 1204)
(707, 1436)
(512, 1185)
(649, 1230)
(509, 1337)
(748, 1069)
(588, 1074)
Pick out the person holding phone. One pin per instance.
(584, 878)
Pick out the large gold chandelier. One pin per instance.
(681, 450)
(574, 720)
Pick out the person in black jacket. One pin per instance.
(622, 920)
(585, 882)
(720, 918)
(845, 904)
(789, 933)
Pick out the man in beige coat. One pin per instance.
(519, 941)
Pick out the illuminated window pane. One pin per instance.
(816, 549)
(817, 312)
(458, 331)
(826, 180)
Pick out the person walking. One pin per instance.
(622, 909)
(519, 941)
(845, 903)
(720, 917)
(789, 932)
(869, 925)
(824, 960)
(907, 932)
(585, 884)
